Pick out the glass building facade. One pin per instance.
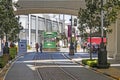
(34, 26)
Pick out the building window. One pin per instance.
(49, 25)
(33, 22)
(24, 21)
(41, 23)
(55, 26)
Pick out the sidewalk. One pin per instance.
(113, 71)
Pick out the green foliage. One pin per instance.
(13, 52)
(73, 39)
(92, 62)
(88, 61)
(28, 47)
(2, 63)
(91, 15)
(9, 24)
(4, 60)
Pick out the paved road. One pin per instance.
(22, 69)
(50, 66)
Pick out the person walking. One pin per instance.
(83, 48)
(41, 47)
(36, 46)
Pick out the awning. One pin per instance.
(96, 40)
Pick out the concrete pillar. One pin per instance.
(36, 36)
(117, 52)
(111, 39)
(63, 27)
(113, 46)
(29, 22)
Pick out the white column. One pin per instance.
(59, 24)
(117, 42)
(113, 46)
(36, 36)
(111, 42)
(29, 22)
(63, 27)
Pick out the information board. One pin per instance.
(22, 46)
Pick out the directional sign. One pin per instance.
(22, 46)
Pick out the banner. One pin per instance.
(69, 30)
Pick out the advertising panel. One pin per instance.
(22, 47)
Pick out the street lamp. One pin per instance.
(102, 53)
(71, 48)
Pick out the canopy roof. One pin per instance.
(49, 6)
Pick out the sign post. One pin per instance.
(22, 47)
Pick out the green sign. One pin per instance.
(49, 39)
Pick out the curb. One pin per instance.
(8, 66)
(115, 77)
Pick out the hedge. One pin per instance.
(6, 57)
(92, 63)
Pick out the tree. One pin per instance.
(87, 18)
(9, 24)
(91, 15)
(111, 9)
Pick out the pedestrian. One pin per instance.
(83, 48)
(41, 47)
(6, 53)
(37, 47)
(6, 48)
